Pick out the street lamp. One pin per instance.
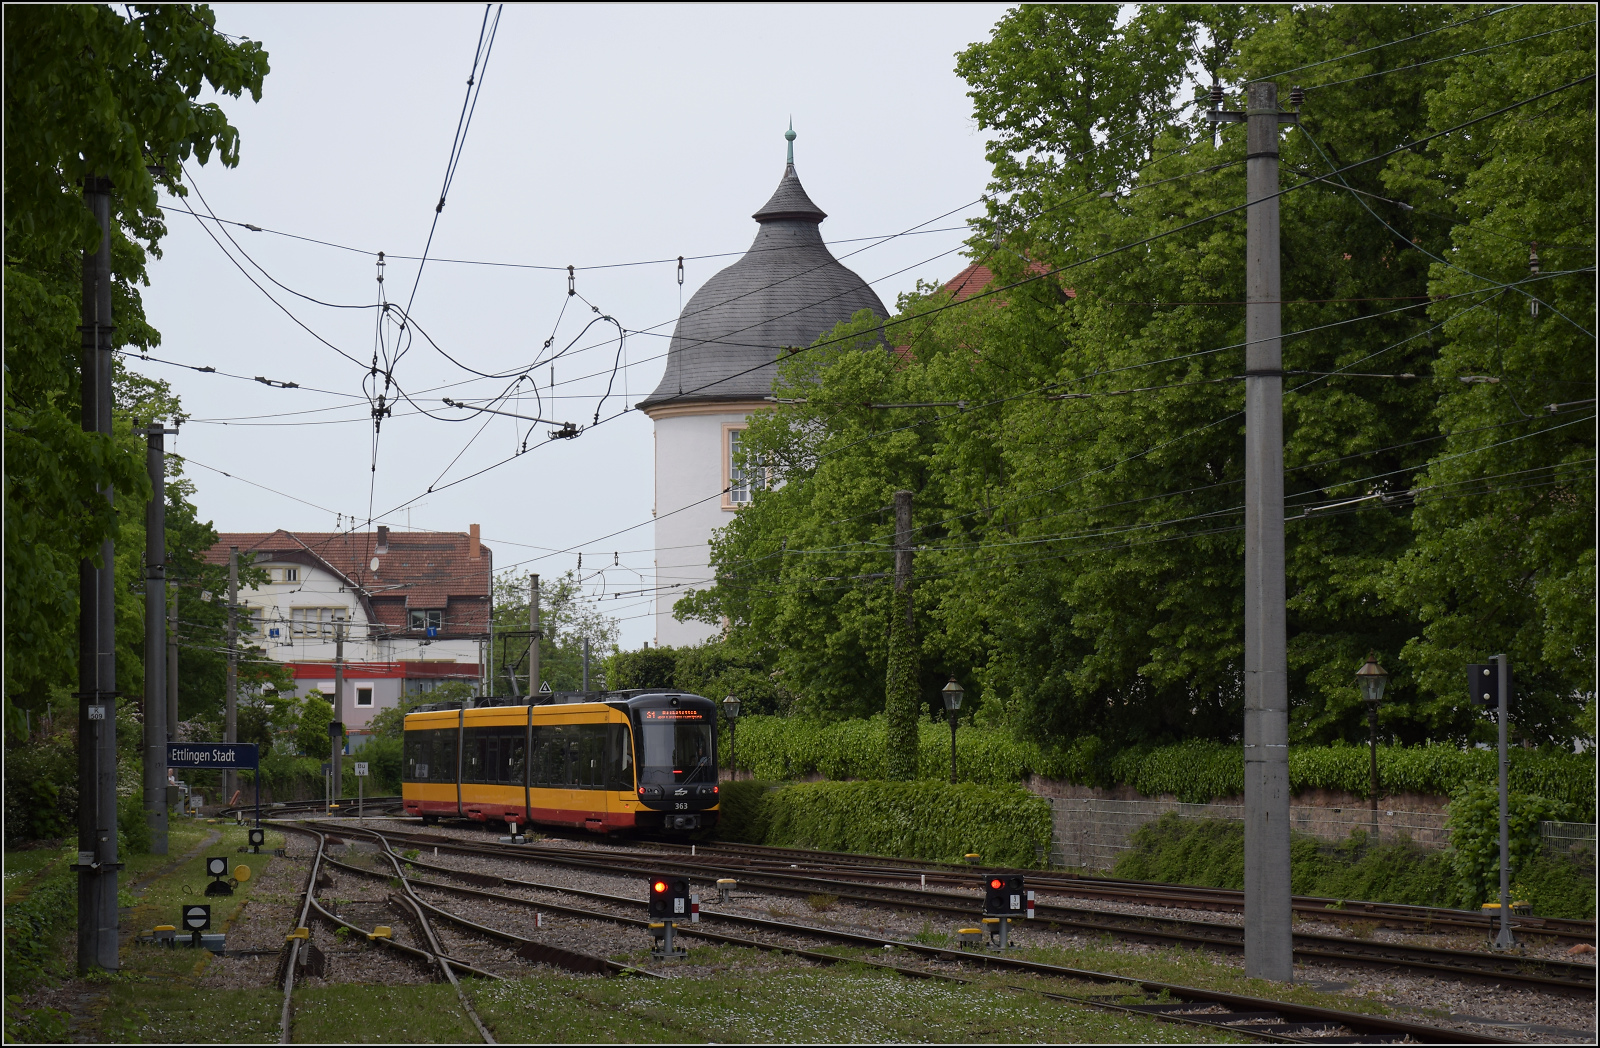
(952, 702)
(1373, 680)
(730, 709)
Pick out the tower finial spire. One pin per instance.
(789, 134)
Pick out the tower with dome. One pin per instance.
(786, 290)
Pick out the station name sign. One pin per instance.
(211, 755)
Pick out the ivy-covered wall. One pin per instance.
(780, 748)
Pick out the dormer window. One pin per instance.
(430, 619)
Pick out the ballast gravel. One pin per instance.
(1512, 1012)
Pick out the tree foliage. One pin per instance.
(93, 91)
(1079, 493)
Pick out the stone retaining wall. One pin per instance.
(1090, 832)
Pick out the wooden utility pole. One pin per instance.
(97, 863)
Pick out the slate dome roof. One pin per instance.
(785, 291)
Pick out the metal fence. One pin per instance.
(1576, 839)
(1090, 833)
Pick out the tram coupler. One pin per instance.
(665, 950)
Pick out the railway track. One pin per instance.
(299, 949)
(1263, 1019)
(1504, 969)
(1388, 915)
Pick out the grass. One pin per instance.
(846, 1003)
(156, 995)
(358, 1013)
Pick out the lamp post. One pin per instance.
(1373, 680)
(730, 709)
(952, 702)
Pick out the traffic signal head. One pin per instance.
(669, 898)
(1005, 896)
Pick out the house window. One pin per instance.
(315, 623)
(427, 619)
(363, 696)
(743, 481)
(286, 574)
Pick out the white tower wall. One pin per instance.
(691, 471)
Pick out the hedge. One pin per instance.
(1006, 825)
(780, 748)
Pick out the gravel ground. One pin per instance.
(1510, 1012)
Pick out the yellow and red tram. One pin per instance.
(622, 761)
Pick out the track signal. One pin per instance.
(669, 898)
(1005, 896)
(1483, 685)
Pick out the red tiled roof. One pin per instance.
(978, 277)
(430, 569)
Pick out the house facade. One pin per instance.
(414, 607)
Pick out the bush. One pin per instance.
(1210, 853)
(742, 817)
(42, 788)
(383, 765)
(1195, 771)
(1474, 825)
(1007, 825)
(133, 829)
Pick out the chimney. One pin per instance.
(472, 542)
(383, 538)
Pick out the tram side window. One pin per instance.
(493, 755)
(548, 761)
(429, 755)
(619, 757)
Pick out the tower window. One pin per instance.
(743, 480)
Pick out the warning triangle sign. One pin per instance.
(544, 689)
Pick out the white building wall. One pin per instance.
(690, 472)
(272, 608)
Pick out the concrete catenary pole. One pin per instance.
(1268, 935)
(533, 638)
(172, 666)
(1504, 940)
(155, 641)
(900, 692)
(97, 660)
(230, 725)
(336, 741)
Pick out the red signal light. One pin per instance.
(641, 789)
(660, 887)
(997, 884)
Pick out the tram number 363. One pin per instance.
(681, 806)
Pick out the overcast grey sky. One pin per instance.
(604, 135)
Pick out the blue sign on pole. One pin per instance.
(220, 755)
(224, 755)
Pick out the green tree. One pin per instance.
(566, 617)
(88, 91)
(1078, 507)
